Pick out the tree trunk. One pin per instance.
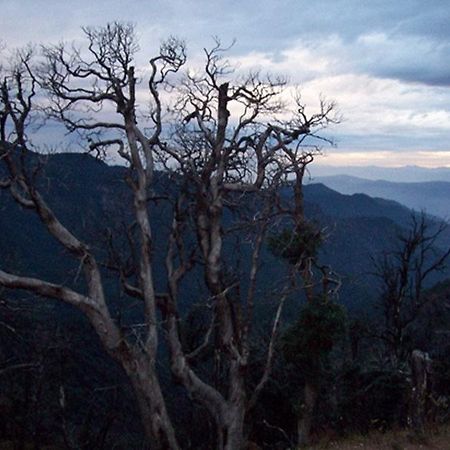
(231, 435)
(231, 419)
(420, 368)
(157, 425)
(305, 420)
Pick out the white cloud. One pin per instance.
(385, 158)
(378, 112)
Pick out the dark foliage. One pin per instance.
(309, 341)
(295, 246)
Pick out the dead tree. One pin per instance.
(231, 143)
(216, 157)
(229, 139)
(78, 88)
(421, 374)
(404, 274)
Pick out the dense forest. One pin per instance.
(192, 292)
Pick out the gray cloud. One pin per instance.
(415, 49)
(403, 40)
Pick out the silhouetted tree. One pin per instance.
(224, 139)
(404, 273)
(321, 322)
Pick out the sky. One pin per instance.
(385, 63)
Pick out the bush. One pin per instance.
(308, 342)
(298, 245)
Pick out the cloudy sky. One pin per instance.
(386, 63)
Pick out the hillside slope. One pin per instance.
(431, 196)
(90, 197)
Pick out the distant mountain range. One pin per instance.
(90, 196)
(433, 197)
(405, 174)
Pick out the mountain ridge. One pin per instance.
(89, 195)
(408, 173)
(429, 196)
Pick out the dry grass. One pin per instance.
(392, 440)
(9, 445)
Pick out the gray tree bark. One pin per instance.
(421, 370)
(306, 416)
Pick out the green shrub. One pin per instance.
(296, 245)
(308, 342)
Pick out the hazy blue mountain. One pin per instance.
(334, 204)
(407, 174)
(89, 196)
(432, 196)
